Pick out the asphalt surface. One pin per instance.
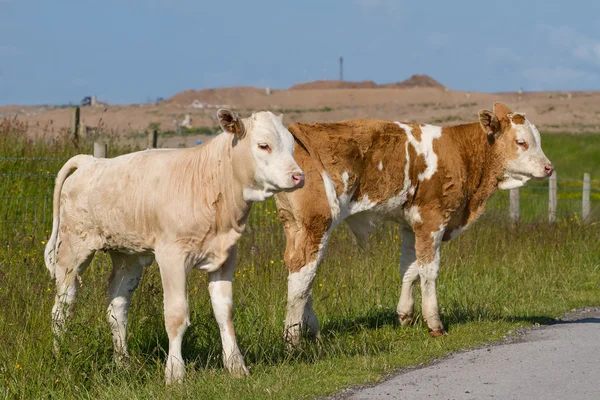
(557, 361)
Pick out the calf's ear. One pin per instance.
(490, 123)
(280, 116)
(231, 123)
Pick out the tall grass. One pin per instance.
(494, 278)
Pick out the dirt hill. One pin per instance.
(415, 81)
(220, 96)
(334, 85)
(419, 81)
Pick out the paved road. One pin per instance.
(558, 361)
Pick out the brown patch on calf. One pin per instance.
(508, 146)
(417, 165)
(517, 119)
(416, 132)
(174, 324)
(387, 146)
(230, 320)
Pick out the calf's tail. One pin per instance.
(65, 171)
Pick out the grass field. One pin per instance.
(494, 279)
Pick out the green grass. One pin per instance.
(494, 279)
(574, 154)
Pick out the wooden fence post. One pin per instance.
(100, 150)
(587, 190)
(552, 197)
(153, 139)
(74, 126)
(514, 205)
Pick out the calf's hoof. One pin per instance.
(174, 373)
(405, 319)
(437, 332)
(236, 366)
(292, 336)
(122, 360)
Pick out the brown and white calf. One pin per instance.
(434, 181)
(187, 208)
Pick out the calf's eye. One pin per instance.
(521, 142)
(264, 146)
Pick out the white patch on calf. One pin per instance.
(334, 203)
(348, 207)
(406, 186)
(364, 204)
(380, 166)
(438, 235)
(413, 215)
(345, 178)
(424, 147)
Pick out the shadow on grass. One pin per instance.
(378, 319)
(373, 320)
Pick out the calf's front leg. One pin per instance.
(221, 297)
(173, 272)
(300, 317)
(409, 273)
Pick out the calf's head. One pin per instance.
(262, 154)
(519, 144)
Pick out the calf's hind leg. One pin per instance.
(71, 261)
(428, 255)
(126, 273)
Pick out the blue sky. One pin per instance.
(127, 51)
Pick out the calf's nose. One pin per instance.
(298, 179)
(549, 169)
